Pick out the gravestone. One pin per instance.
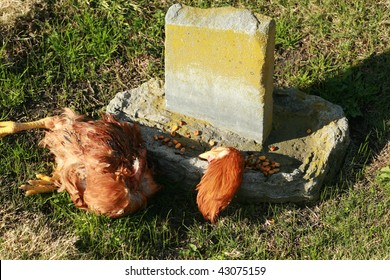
(219, 67)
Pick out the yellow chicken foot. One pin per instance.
(9, 127)
(44, 184)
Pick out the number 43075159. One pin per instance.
(242, 270)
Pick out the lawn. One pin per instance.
(79, 54)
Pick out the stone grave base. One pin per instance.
(309, 139)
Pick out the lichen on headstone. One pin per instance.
(219, 68)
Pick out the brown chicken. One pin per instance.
(102, 165)
(221, 181)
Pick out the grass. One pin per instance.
(81, 53)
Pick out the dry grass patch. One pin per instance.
(382, 159)
(10, 10)
(25, 235)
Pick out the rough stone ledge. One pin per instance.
(310, 134)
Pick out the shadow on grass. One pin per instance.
(363, 91)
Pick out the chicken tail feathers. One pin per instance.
(219, 184)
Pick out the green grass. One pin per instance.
(81, 53)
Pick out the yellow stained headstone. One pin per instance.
(219, 67)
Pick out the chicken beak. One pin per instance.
(205, 155)
(209, 155)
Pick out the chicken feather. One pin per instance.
(101, 164)
(220, 182)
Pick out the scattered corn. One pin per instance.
(273, 148)
(267, 168)
(174, 128)
(262, 163)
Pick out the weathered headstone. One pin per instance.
(219, 67)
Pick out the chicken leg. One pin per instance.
(44, 184)
(10, 127)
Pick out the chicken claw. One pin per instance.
(44, 184)
(7, 127)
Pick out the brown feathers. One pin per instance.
(101, 164)
(220, 182)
